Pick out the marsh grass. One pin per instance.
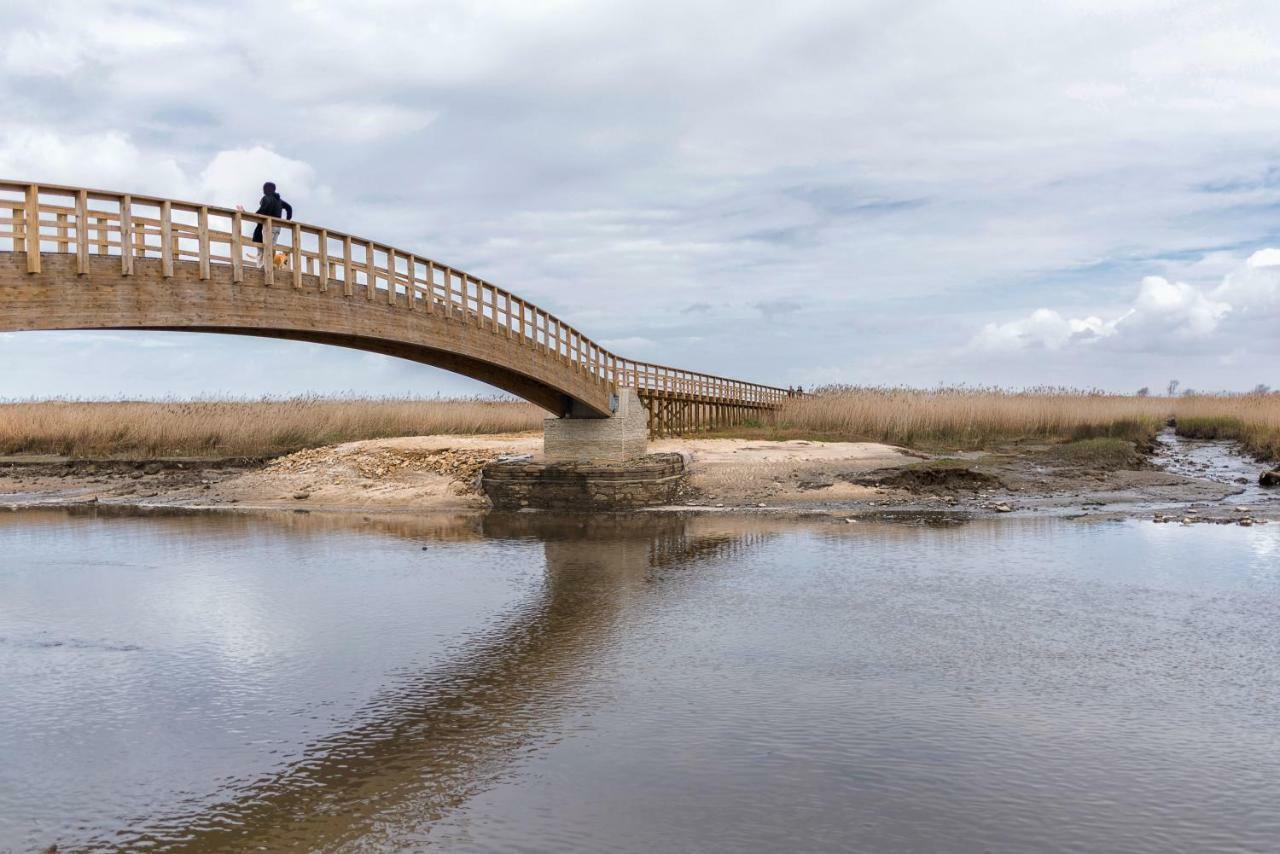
(968, 419)
(260, 428)
(934, 420)
(1253, 420)
(977, 419)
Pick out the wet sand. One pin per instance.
(1182, 480)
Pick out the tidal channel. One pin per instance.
(652, 683)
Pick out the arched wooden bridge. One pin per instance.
(75, 258)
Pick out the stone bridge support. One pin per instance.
(620, 438)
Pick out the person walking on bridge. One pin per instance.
(272, 205)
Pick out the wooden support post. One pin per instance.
(411, 289)
(202, 238)
(324, 259)
(268, 256)
(370, 271)
(391, 276)
(348, 275)
(296, 231)
(82, 232)
(237, 247)
(33, 228)
(126, 236)
(100, 238)
(166, 239)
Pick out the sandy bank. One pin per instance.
(441, 473)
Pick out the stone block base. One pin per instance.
(622, 437)
(647, 482)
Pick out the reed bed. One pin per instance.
(224, 428)
(1252, 419)
(963, 418)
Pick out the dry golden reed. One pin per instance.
(242, 428)
(977, 418)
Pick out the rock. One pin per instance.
(1247, 523)
(302, 496)
(1269, 478)
(1002, 508)
(153, 468)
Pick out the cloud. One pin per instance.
(1162, 314)
(1049, 159)
(236, 176)
(108, 160)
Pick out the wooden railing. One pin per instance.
(92, 223)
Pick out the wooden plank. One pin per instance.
(20, 228)
(237, 247)
(126, 236)
(100, 238)
(202, 237)
(324, 259)
(268, 256)
(431, 286)
(370, 271)
(391, 276)
(166, 239)
(33, 228)
(411, 289)
(348, 275)
(82, 232)
(296, 254)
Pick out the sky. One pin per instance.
(910, 192)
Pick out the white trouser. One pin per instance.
(262, 249)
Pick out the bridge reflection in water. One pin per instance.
(439, 737)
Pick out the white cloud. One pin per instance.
(1254, 287)
(236, 177)
(1163, 313)
(108, 160)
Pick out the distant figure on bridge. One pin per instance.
(272, 205)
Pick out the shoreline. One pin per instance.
(1181, 480)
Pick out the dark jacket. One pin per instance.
(273, 205)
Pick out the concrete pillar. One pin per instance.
(617, 439)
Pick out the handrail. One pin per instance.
(90, 222)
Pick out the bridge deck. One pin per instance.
(157, 263)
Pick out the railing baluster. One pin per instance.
(391, 276)
(267, 258)
(166, 239)
(82, 232)
(324, 260)
(296, 254)
(370, 271)
(33, 228)
(126, 236)
(202, 237)
(348, 275)
(410, 289)
(237, 247)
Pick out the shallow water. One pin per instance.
(656, 683)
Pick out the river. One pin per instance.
(654, 683)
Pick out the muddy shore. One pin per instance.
(1180, 481)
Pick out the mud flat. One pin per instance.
(1177, 479)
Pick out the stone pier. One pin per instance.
(596, 464)
(622, 437)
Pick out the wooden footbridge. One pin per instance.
(75, 258)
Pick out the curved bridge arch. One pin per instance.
(74, 258)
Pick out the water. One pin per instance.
(651, 684)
